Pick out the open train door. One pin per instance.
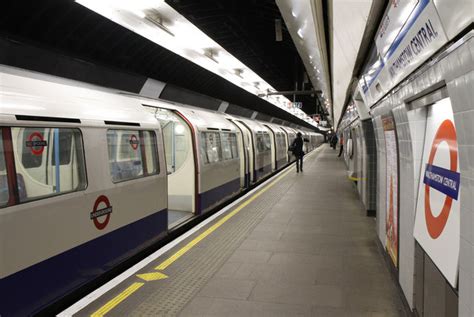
(181, 163)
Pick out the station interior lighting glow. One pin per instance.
(161, 24)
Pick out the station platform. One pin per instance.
(299, 245)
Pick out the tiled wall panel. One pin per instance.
(455, 68)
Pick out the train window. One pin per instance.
(260, 146)
(176, 137)
(267, 141)
(281, 141)
(132, 154)
(211, 151)
(226, 148)
(203, 149)
(4, 194)
(28, 158)
(233, 145)
(151, 155)
(229, 146)
(37, 150)
(65, 141)
(263, 142)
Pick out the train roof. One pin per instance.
(34, 94)
(273, 126)
(202, 119)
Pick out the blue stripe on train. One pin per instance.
(215, 195)
(34, 288)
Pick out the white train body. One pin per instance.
(48, 228)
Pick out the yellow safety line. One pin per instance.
(356, 178)
(135, 286)
(213, 228)
(117, 300)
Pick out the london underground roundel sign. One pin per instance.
(101, 212)
(445, 180)
(36, 143)
(438, 208)
(134, 142)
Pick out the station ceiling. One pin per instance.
(245, 28)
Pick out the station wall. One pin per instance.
(448, 74)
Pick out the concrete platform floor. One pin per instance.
(313, 254)
(303, 248)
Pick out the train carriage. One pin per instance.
(67, 159)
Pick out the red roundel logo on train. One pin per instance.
(102, 208)
(134, 142)
(36, 143)
(444, 179)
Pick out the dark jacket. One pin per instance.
(297, 146)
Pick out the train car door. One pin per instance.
(244, 143)
(250, 150)
(180, 152)
(273, 147)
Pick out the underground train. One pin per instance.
(90, 177)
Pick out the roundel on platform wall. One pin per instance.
(437, 221)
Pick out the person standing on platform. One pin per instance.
(297, 149)
(334, 141)
(341, 143)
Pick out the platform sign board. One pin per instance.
(410, 33)
(391, 224)
(437, 221)
(392, 23)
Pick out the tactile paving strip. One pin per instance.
(192, 271)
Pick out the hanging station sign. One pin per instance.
(409, 34)
(437, 221)
(391, 218)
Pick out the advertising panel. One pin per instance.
(392, 188)
(437, 221)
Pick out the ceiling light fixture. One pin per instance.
(238, 72)
(144, 17)
(155, 17)
(211, 54)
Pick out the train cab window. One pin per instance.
(132, 154)
(4, 193)
(36, 152)
(211, 151)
